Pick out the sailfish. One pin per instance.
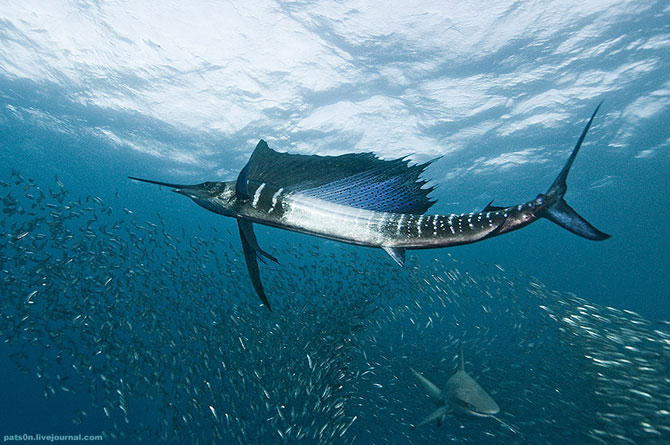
(360, 199)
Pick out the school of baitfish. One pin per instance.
(149, 328)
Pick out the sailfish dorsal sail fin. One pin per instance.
(360, 180)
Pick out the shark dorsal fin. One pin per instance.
(461, 362)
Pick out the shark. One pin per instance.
(462, 395)
(360, 199)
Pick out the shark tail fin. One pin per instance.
(558, 211)
(438, 415)
(461, 360)
(433, 391)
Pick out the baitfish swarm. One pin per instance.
(147, 332)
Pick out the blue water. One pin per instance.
(91, 93)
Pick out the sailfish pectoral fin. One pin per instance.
(247, 231)
(250, 255)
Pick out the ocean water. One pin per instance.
(126, 311)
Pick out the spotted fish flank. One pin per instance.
(363, 200)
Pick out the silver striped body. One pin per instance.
(324, 180)
(301, 213)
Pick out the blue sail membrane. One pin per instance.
(372, 193)
(360, 180)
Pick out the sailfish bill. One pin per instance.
(360, 199)
(166, 184)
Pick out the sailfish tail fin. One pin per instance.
(558, 211)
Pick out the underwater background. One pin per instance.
(126, 311)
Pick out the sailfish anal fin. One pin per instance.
(397, 253)
(251, 253)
